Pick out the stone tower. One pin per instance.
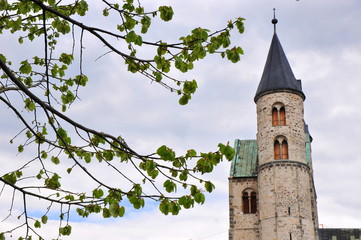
(272, 195)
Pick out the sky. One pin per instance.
(322, 41)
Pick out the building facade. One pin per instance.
(271, 189)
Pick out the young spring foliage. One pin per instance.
(46, 86)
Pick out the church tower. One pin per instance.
(272, 195)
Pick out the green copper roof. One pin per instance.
(308, 145)
(244, 163)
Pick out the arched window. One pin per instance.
(253, 202)
(280, 148)
(249, 201)
(274, 117)
(277, 150)
(278, 115)
(284, 149)
(245, 202)
(282, 116)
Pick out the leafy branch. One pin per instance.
(65, 148)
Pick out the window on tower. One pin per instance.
(282, 116)
(245, 202)
(274, 117)
(278, 115)
(249, 201)
(284, 149)
(277, 150)
(280, 148)
(253, 202)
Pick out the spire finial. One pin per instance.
(274, 20)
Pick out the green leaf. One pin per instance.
(138, 41)
(10, 178)
(66, 58)
(199, 198)
(139, 10)
(158, 76)
(25, 67)
(166, 153)
(194, 190)
(121, 211)
(68, 97)
(131, 37)
(184, 99)
(170, 186)
(29, 104)
(115, 210)
(186, 201)
(53, 182)
(44, 219)
(61, 25)
(166, 13)
(227, 151)
(137, 202)
(145, 21)
(37, 224)
(108, 155)
(55, 160)
(240, 25)
(184, 175)
(153, 174)
(87, 157)
(191, 153)
(137, 189)
(19, 173)
(106, 213)
(20, 148)
(82, 8)
(43, 155)
(190, 87)
(200, 33)
(164, 207)
(209, 186)
(66, 231)
(105, 12)
(69, 197)
(63, 136)
(234, 54)
(98, 193)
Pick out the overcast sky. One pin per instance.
(322, 41)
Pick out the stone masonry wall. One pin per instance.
(242, 226)
(284, 190)
(285, 202)
(293, 131)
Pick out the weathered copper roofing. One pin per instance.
(277, 74)
(308, 145)
(244, 163)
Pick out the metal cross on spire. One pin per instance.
(274, 20)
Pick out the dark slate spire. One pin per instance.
(277, 74)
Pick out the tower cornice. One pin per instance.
(283, 163)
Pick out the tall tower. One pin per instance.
(272, 194)
(284, 175)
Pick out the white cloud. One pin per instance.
(322, 42)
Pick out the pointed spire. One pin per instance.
(277, 74)
(274, 20)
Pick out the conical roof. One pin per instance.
(277, 74)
